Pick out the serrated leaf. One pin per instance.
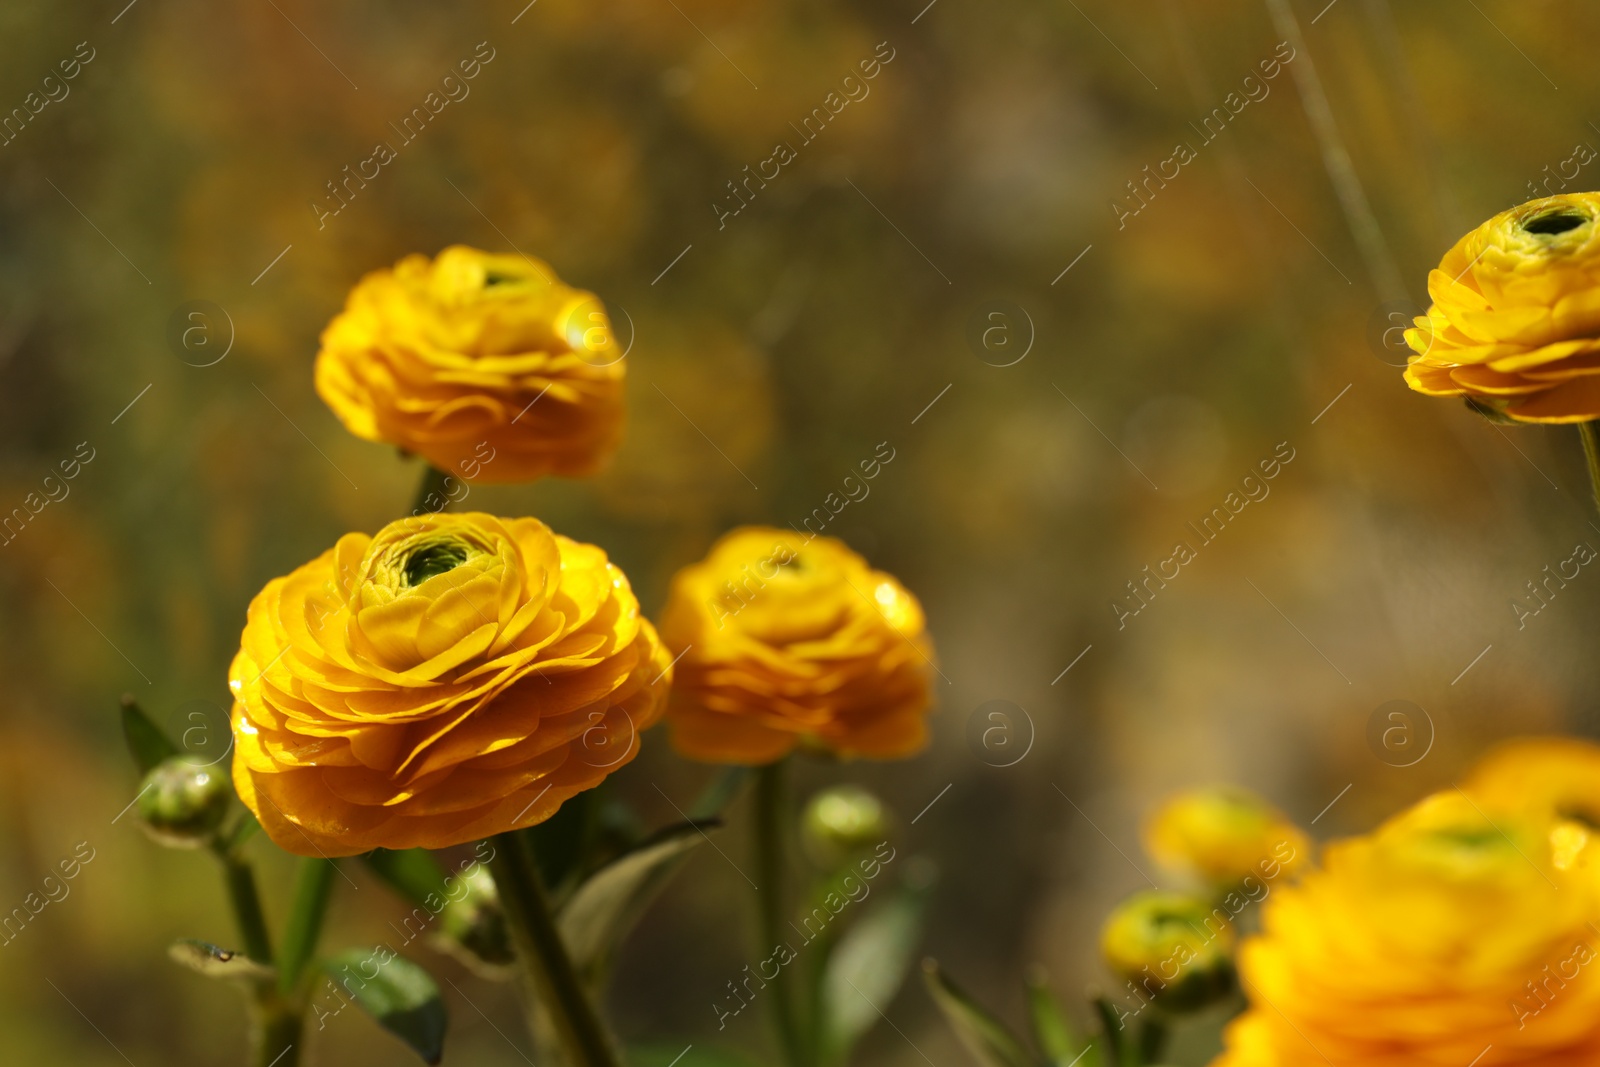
(401, 996)
(203, 957)
(987, 1038)
(602, 910)
(867, 967)
(1056, 1038)
(414, 873)
(147, 742)
(668, 1055)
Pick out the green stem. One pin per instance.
(770, 828)
(1112, 1047)
(549, 969)
(276, 1031)
(1153, 1040)
(1591, 454)
(431, 496)
(246, 900)
(312, 887)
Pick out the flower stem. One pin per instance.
(275, 1031)
(1591, 453)
(544, 956)
(240, 879)
(770, 836)
(431, 496)
(312, 887)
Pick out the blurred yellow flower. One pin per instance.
(1515, 321)
(1170, 948)
(1551, 777)
(788, 640)
(1223, 835)
(487, 366)
(1446, 937)
(453, 677)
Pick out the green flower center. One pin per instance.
(1548, 225)
(432, 560)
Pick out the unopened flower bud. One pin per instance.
(841, 821)
(182, 802)
(1223, 835)
(1170, 948)
(473, 929)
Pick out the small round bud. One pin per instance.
(841, 821)
(1223, 835)
(182, 802)
(473, 929)
(1171, 949)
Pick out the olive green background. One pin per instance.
(1177, 352)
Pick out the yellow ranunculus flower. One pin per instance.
(1170, 948)
(1555, 777)
(787, 640)
(1515, 321)
(1448, 937)
(1224, 835)
(453, 677)
(487, 366)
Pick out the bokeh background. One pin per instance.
(845, 306)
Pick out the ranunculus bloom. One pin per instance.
(487, 366)
(1223, 835)
(1452, 935)
(1515, 321)
(787, 641)
(1555, 777)
(453, 677)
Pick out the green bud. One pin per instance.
(1172, 948)
(182, 802)
(840, 822)
(473, 929)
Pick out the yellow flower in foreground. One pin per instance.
(787, 640)
(453, 677)
(1224, 835)
(1446, 937)
(487, 366)
(1515, 321)
(1553, 777)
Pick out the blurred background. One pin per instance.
(969, 264)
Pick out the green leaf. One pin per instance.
(1061, 1045)
(867, 967)
(205, 958)
(147, 742)
(720, 792)
(414, 873)
(400, 995)
(668, 1054)
(986, 1037)
(1109, 1044)
(601, 911)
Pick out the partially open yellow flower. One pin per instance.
(1223, 835)
(1449, 936)
(453, 677)
(1171, 948)
(487, 366)
(785, 641)
(1515, 321)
